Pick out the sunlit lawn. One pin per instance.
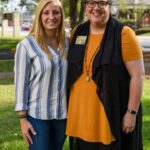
(146, 115)
(10, 136)
(146, 34)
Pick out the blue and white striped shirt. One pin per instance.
(40, 83)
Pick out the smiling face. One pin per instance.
(97, 11)
(51, 16)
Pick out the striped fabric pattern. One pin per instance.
(40, 83)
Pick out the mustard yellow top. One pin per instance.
(86, 115)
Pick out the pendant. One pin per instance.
(87, 78)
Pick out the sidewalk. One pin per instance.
(6, 54)
(143, 37)
(4, 75)
(145, 43)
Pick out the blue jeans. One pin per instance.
(50, 134)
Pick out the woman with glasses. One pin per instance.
(105, 78)
(40, 79)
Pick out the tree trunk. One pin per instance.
(73, 12)
(81, 17)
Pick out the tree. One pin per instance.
(75, 10)
(81, 16)
(29, 4)
(65, 4)
(6, 1)
(3, 6)
(122, 5)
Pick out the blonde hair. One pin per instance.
(38, 32)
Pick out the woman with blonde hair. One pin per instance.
(40, 76)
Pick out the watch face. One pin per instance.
(132, 111)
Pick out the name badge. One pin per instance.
(80, 40)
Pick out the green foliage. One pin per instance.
(5, 1)
(30, 5)
(140, 10)
(128, 22)
(121, 5)
(131, 11)
(65, 4)
(3, 6)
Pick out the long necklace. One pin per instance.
(87, 67)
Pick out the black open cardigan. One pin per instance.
(111, 78)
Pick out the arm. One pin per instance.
(22, 65)
(22, 71)
(135, 69)
(137, 73)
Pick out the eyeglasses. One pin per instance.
(101, 4)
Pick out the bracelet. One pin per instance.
(22, 116)
(133, 112)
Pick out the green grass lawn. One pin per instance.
(9, 43)
(10, 135)
(146, 34)
(146, 115)
(6, 65)
(143, 31)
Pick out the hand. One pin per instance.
(128, 123)
(26, 127)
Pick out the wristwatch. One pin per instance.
(132, 111)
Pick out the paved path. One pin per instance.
(6, 54)
(145, 42)
(4, 75)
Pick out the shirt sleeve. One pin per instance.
(131, 49)
(22, 71)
